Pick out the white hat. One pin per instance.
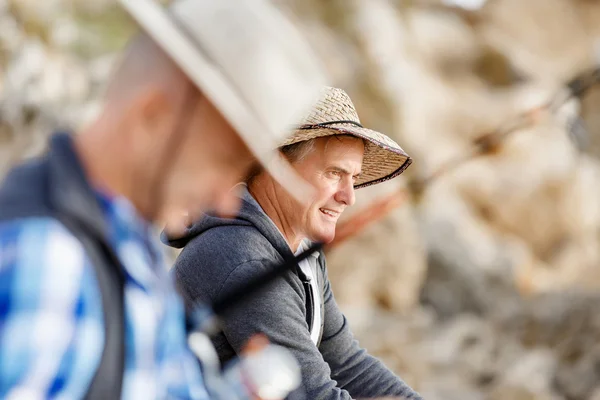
(249, 60)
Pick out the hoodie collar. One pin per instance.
(252, 211)
(250, 214)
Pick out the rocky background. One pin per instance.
(485, 285)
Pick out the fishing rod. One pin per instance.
(485, 144)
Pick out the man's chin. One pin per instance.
(324, 238)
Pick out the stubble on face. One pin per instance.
(331, 167)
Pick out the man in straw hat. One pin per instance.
(332, 151)
(87, 307)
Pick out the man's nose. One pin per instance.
(345, 194)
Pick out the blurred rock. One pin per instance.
(524, 219)
(46, 82)
(389, 270)
(554, 40)
(531, 376)
(568, 323)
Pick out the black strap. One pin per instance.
(310, 304)
(202, 317)
(250, 287)
(326, 124)
(75, 204)
(108, 380)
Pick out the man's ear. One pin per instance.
(152, 111)
(146, 120)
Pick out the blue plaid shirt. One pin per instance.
(51, 319)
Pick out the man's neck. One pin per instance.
(266, 197)
(106, 169)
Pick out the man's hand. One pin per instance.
(270, 372)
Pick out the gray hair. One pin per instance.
(298, 151)
(293, 153)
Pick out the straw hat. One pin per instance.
(334, 114)
(249, 60)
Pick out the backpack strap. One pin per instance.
(108, 380)
(76, 205)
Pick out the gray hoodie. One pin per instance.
(221, 254)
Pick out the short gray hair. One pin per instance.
(298, 151)
(294, 152)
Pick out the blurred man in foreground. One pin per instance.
(87, 309)
(333, 152)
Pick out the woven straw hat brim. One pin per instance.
(383, 158)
